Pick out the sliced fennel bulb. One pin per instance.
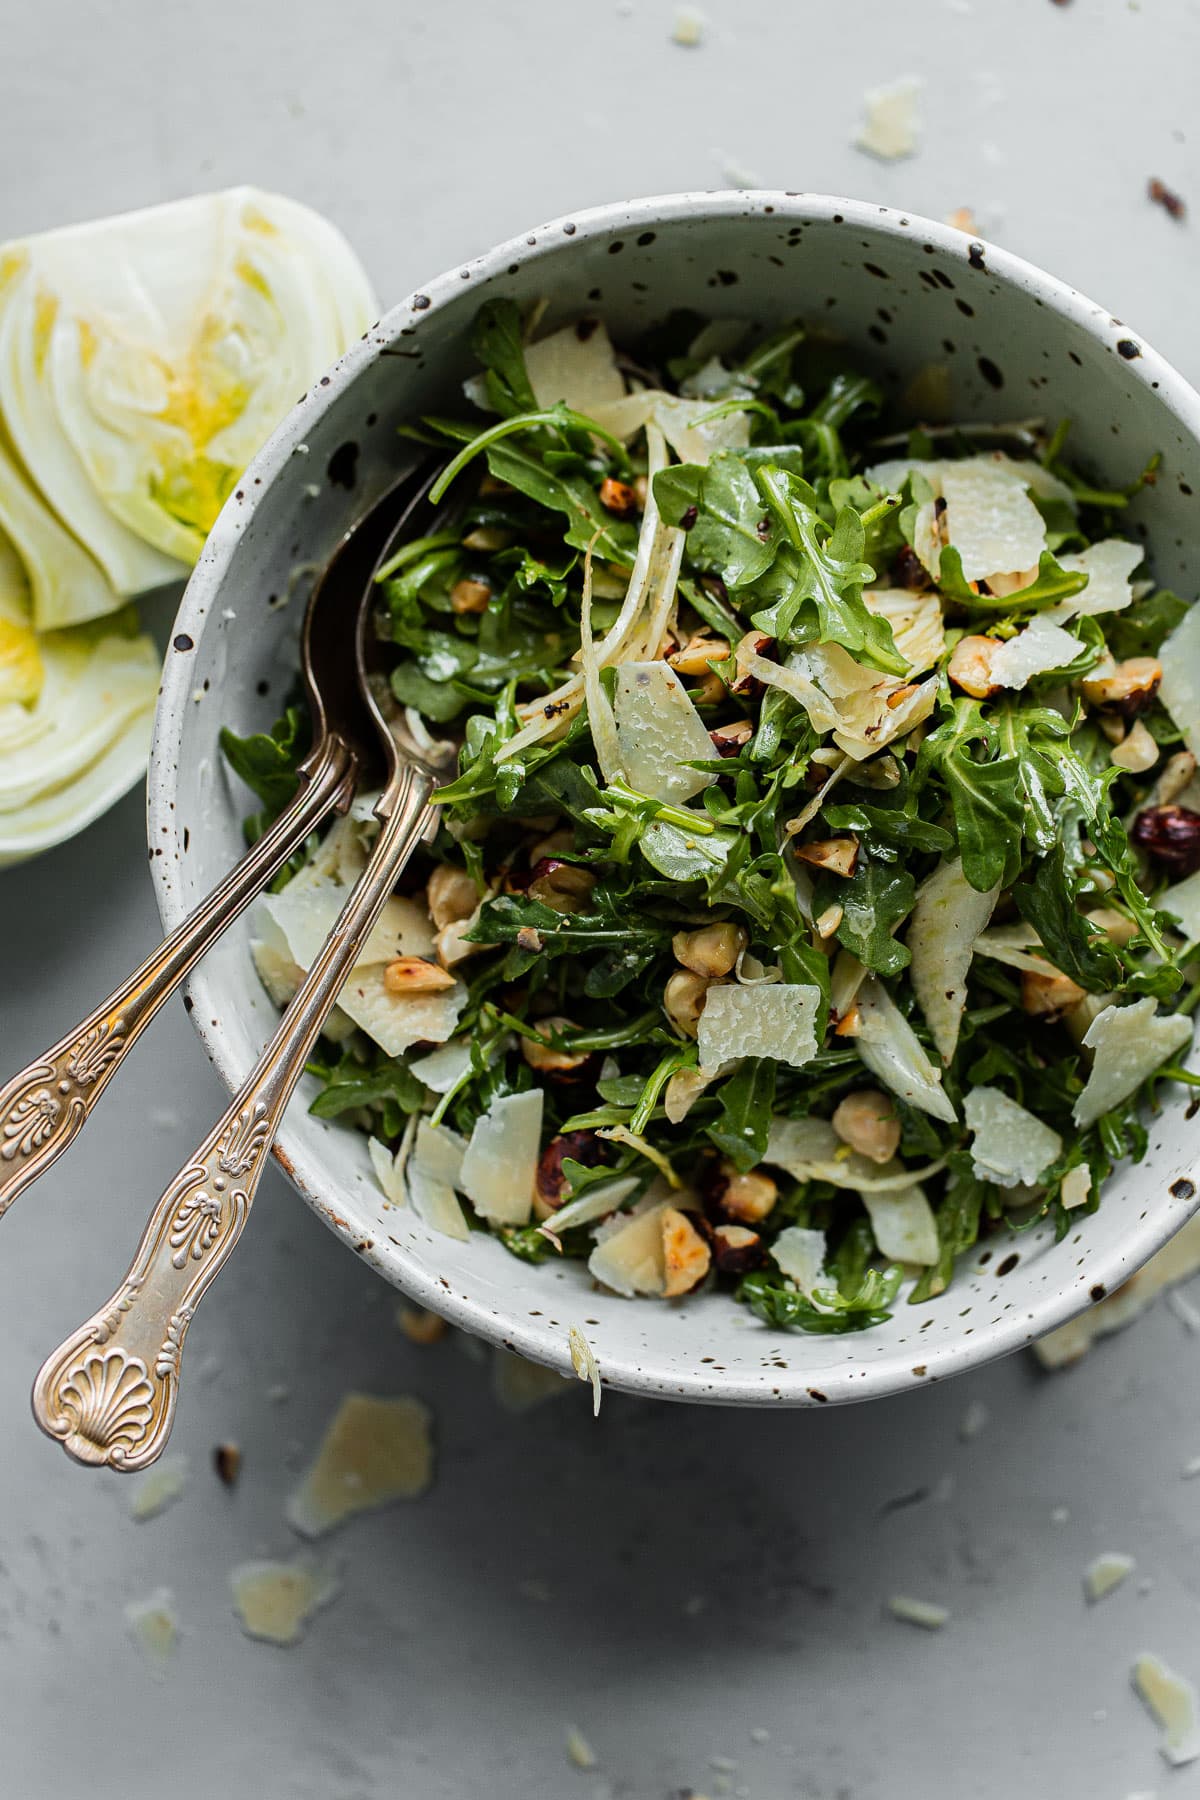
(145, 359)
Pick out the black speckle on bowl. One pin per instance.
(183, 642)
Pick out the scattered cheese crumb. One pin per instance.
(1171, 1702)
(154, 1629)
(579, 1750)
(158, 1488)
(375, 1451)
(1127, 1044)
(973, 1420)
(1076, 1187)
(275, 1600)
(1174, 1262)
(963, 219)
(1009, 1144)
(1106, 1573)
(918, 1612)
(584, 1363)
(734, 173)
(890, 131)
(688, 28)
(520, 1385)
(420, 1326)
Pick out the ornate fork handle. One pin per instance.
(109, 1392)
(44, 1108)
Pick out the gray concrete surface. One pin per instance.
(675, 1583)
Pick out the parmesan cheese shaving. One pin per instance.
(594, 1203)
(945, 922)
(1127, 1044)
(1076, 1187)
(443, 1068)
(990, 519)
(1010, 1145)
(576, 365)
(1108, 566)
(1171, 1703)
(375, 1451)
(778, 1020)
(159, 1488)
(810, 1150)
(630, 1259)
(658, 731)
(916, 621)
(500, 1163)
(1042, 646)
(889, 1047)
(389, 1177)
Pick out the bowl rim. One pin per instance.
(1108, 1268)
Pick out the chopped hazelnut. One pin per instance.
(970, 666)
(867, 1122)
(737, 1249)
(468, 596)
(712, 950)
(686, 1255)
(543, 1057)
(694, 657)
(413, 975)
(838, 856)
(683, 1000)
(1124, 688)
(450, 895)
(1050, 995)
(746, 1199)
(618, 497)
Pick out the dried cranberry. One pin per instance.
(581, 1147)
(909, 570)
(1170, 834)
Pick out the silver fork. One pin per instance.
(109, 1392)
(45, 1106)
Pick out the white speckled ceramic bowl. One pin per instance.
(905, 293)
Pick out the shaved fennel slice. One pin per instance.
(793, 678)
(890, 711)
(1014, 945)
(1180, 689)
(576, 365)
(595, 1203)
(916, 621)
(946, 920)
(800, 1254)
(30, 328)
(1042, 646)
(1183, 901)
(1108, 566)
(629, 1257)
(904, 1226)
(1010, 1146)
(500, 1163)
(891, 1050)
(444, 1067)
(440, 1152)
(680, 420)
(600, 713)
(778, 1021)
(435, 1203)
(810, 1150)
(67, 586)
(992, 522)
(556, 709)
(658, 732)
(1127, 1044)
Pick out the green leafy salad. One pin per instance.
(816, 888)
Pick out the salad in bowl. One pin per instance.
(816, 888)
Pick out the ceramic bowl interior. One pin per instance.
(906, 294)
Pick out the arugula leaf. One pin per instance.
(267, 760)
(1139, 629)
(497, 344)
(874, 901)
(728, 535)
(1051, 584)
(785, 1307)
(822, 582)
(746, 1098)
(985, 796)
(898, 827)
(1077, 948)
